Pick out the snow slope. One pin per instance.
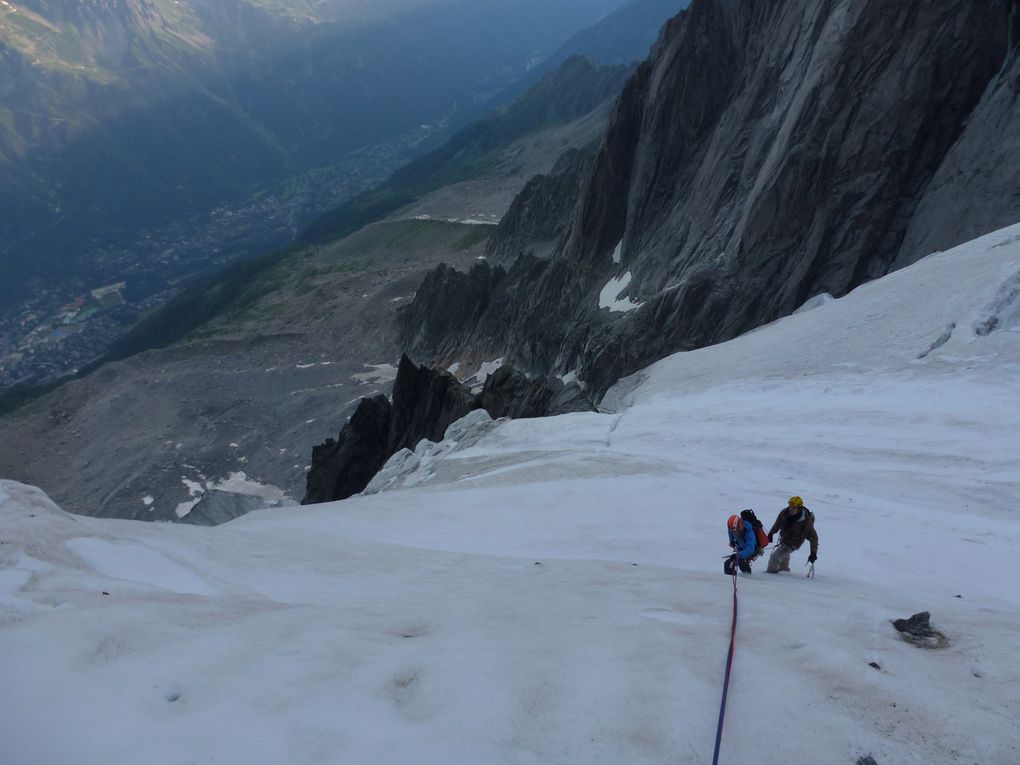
(553, 593)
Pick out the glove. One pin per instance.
(770, 538)
(812, 558)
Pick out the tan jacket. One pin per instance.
(793, 530)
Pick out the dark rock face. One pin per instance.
(766, 152)
(344, 466)
(509, 393)
(448, 303)
(977, 186)
(540, 214)
(425, 403)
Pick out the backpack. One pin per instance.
(760, 534)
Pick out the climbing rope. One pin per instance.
(729, 666)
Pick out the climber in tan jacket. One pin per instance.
(794, 524)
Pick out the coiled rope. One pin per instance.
(729, 666)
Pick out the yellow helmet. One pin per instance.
(796, 502)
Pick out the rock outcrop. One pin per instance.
(218, 507)
(509, 393)
(426, 403)
(766, 153)
(344, 466)
(451, 304)
(540, 215)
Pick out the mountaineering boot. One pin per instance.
(744, 566)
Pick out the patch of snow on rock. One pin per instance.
(381, 373)
(239, 483)
(486, 368)
(610, 295)
(409, 468)
(194, 487)
(184, 508)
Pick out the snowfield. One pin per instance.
(553, 592)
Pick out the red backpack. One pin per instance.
(760, 534)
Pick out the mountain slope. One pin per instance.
(297, 349)
(764, 154)
(125, 117)
(570, 92)
(554, 593)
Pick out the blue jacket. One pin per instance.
(747, 543)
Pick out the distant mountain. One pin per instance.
(624, 36)
(117, 116)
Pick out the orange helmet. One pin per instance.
(735, 523)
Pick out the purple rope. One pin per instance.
(729, 665)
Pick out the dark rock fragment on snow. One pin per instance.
(918, 630)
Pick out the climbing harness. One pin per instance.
(729, 666)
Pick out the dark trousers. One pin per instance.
(743, 563)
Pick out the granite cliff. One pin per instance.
(767, 152)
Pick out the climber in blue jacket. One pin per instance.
(744, 543)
